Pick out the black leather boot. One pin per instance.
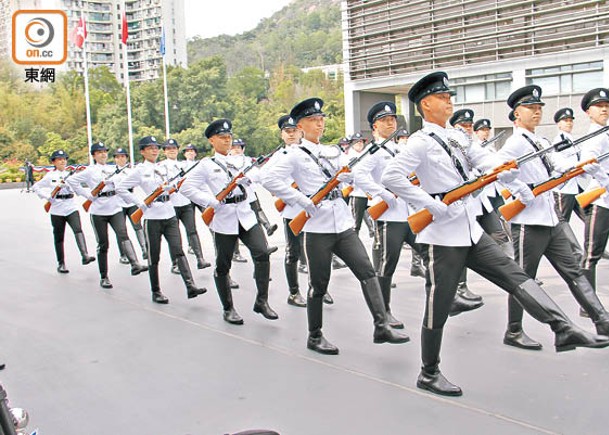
(141, 239)
(102, 263)
(261, 276)
(374, 298)
(385, 283)
(539, 305)
(376, 256)
(192, 291)
(291, 274)
(264, 221)
(174, 267)
(316, 340)
(129, 252)
(460, 305)
(104, 282)
(195, 244)
(233, 284)
(431, 378)
(82, 248)
(230, 315)
(155, 285)
(515, 336)
(59, 253)
(416, 265)
(587, 299)
(466, 293)
(328, 300)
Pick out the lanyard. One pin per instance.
(230, 175)
(544, 158)
(455, 161)
(316, 160)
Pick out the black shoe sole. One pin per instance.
(521, 346)
(203, 265)
(192, 295)
(568, 347)
(161, 302)
(266, 316)
(294, 304)
(322, 351)
(396, 325)
(384, 340)
(234, 322)
(136, 272)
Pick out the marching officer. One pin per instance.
(63, 209)
(234, 220)
(291, 136)
(159, 218)
(121, 160)
(392, 228)
(455, 239)
(105, 210)
(596, 105)
(538, 230)
(330, 227)
(358, 200)
(185, 210)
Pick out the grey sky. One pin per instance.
(212, 18)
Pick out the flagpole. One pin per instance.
(165, 83)
(87, 99)
(126, 69)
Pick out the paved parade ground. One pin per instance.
(87, 361)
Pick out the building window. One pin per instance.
(567, 79)
(489, 87)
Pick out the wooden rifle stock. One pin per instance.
(298, 223)
(47, 205)
(87, 204)
(136, 216)
(505, 193)
(279, 204)
(586, 198)
(377, 210)
(208, 213)
(346, 191)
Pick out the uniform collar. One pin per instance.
(527, 133)
(436, 129)
(313, 147)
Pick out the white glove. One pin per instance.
(214, 203)
(244, 181)
(389, 198)
(167, 188)
(142, 205)
(91, 198)
(311, 209)
(597, 172)
(345, 177)
(109, 183)
(437, 208)
(525, 195)
(506, 177)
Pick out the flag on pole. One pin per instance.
(163, 42)
(125, 29)
(79, 33)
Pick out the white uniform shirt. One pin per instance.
(44, 187)
(210, 177)
(542, 210)
(591, 149)
(333, 216)
(173, 168)
(437, 174)
(367, 176)
(569, 158)
(117, 179)
(91, 177)
(237, 164)
(290, 211)
(148, 176)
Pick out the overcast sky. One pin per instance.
(208, 18)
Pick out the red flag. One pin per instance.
(125, 29)
(79, 33)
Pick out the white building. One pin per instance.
(488, 48)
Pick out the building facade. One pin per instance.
(146, 20)
(488, 48)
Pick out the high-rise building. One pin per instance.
(146, 21)
(488, 48)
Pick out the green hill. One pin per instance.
(305, 33)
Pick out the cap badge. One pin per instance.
(603, 94)
(387, 108)
(317, 106)
(468, 114)
(535, 93)
(60, 153)
(445, 81)
(484, 123)
(568, 112)
(291, 120)
(152, 138)
(225, 125)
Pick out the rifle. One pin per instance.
(208, 213)
(586, 198)
(377, 210)
(493, 139)
(56, 189)
(136, 216)
(297, 224)
(97, 190)
(419, 220)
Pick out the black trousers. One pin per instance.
(59, 230)
(100, 228)
(595, 240)
(186, 215)
(154, 230)
(392, 235)
(319, 248)
(445, 264)
(491, 224)
(225, 245)
(359, 209)
(293, 243)
(567, 204)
